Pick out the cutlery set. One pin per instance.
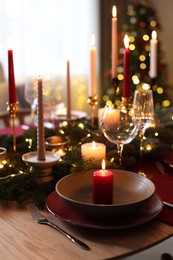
(164, 167)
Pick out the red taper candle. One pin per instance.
(103, 186)
(11, 78)
(126, 85)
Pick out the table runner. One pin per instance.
(164, 187)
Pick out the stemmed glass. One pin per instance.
(119, 126)
(143, 106)
(30, 94)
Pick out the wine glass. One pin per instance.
(143, 106)
(119, 126)
(30, 94)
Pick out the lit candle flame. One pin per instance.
(154, 35)
(93, 40)
(114, 11)
(103, 165)
(126, 41)
(93, 144)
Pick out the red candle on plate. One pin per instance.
(103, 186)
(126, 86)
(11, 79)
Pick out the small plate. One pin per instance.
(130, 192)
(62, 210)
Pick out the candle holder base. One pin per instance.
(43, 169)
(92, 101)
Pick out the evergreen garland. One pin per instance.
(19, 185)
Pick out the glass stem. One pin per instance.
(120, 151)
(141, 135)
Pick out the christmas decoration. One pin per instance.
(141, 21)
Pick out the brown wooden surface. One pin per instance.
(22, 238)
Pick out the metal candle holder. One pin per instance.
(92, 101)
(13, 108)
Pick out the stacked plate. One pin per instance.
(134, 201)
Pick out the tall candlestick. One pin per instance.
(68, 91)
(40, 122)
(114, 42)
(126, 86)
(93, 78)
(153, 55)
(11, 78)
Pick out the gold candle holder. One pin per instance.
(13, 108)
(92, 101)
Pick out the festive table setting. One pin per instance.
(105, 180)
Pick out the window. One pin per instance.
(44, 33)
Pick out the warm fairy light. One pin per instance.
(160, 90)
(153, 23)
(156, 134)
(142, 58)
(120, 76)
(135, 80)
(166, 103)
(131, 38)
(147, 48)
(126, 41)
(132, 47)
(146, 37)
(154, 35)
(146, 86)
(143, 66)
(114, 11)
(81, 125)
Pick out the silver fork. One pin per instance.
(39, 218)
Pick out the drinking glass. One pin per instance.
(119, 126)
(30, 94)
(143, 106)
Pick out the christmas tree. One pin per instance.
(141, 20)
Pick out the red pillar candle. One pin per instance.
(11, 78)
(103, 186)
(126, 86)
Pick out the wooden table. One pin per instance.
(22, 238)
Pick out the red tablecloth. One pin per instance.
(164, 187)
(9, 130)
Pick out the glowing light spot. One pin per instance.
(132, 47)
(146, 86)
(166, 103)
(142, 58)
(146, 37)
(131, 38)
(160, 90)
(135, 80)
(153, 23)
(156, 134)
(143, 66)
(120, 77)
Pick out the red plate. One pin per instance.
(63, 211)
